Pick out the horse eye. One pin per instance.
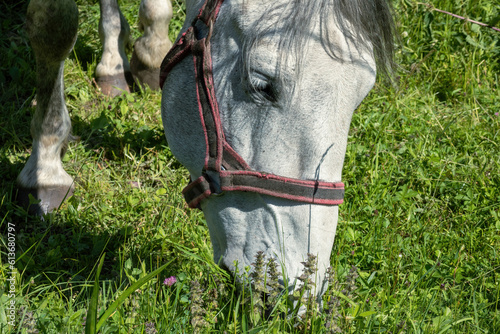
(263, 87)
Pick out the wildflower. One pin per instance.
(350, 282)
(169, 281)
(309, 270)
(259, 286)
(135, 184)
(273, 282)
(198, 312)
(496, 114)
(28, 321)
(150, 328)
(333, 303)
(304, 294)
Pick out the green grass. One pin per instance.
(421, 219)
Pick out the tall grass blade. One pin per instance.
(127, 293)
(90, 325)
(445, 330)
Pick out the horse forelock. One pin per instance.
(364, 23)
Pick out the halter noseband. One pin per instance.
(234, 173)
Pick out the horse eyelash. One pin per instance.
(263, 91)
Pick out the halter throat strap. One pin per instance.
(233, 172)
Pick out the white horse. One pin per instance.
(257, 101)
(52, 27)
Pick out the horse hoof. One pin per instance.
(144, 74)
(114, 85)
(49, 198)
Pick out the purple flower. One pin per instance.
(169, 281)
(496, 114)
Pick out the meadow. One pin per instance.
(418, 241)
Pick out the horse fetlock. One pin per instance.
(44, 168)
(151, 48)
(149, 51)
(143, 72)
(44, 178)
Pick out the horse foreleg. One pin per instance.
(153, 45)
(113, 71)
(52, 29)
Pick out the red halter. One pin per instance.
(234, 173)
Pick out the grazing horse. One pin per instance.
(52, 28)
(257, 101)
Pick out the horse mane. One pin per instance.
(372, 21)
(365, 24)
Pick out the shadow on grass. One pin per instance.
(61, 249)
(50, 248)
(101, 133)
(56, 248)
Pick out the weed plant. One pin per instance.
(418, 239)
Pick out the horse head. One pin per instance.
(257, 102)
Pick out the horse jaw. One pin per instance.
(304, 136)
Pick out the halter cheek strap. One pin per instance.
(234, 173)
